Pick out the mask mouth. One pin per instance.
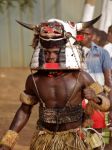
(51, 66)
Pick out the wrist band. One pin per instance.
(9, 139)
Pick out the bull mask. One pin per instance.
(81, 24)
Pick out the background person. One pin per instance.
(59, 90)
(97, 63)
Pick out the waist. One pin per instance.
(58, 128)
(60, 115)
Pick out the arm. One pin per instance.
(94, 93)
(108, 81)
(106, 66)
(21, 117)
(28, 99)
(107, 77)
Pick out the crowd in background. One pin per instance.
(104, 39)
(97, 49)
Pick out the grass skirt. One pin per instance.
(65, 140)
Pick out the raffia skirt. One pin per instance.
(65, 140)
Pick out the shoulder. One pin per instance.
(84, 74)
(29, 84)
(85, 78)
(102, 51)
(108, 46)
(29, 79)
(31, 76)
(97, 47)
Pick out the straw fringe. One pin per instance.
(66, 140)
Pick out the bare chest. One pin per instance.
(56, 92)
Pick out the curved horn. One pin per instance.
(82, 25)
(28, 26)
(91, 22)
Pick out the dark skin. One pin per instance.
(55, 92)
(110, 36)
(88, 37)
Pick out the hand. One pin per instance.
(89, 94)
(4, 147)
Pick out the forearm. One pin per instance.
(21, 118)
(108, 78)
(110, 98)
(95, 93)
(19, 121)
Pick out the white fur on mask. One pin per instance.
(71, 51)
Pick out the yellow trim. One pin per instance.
(96, 87)
(27, 99)
(106, 89)
(9, 139)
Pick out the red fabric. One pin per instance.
(97, 117)
(51, 65)
(79, 37)
(49, 29)
(83, 104)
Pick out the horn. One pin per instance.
(91, 22)
(28, 26)
(82, 25)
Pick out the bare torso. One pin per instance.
(56, 92)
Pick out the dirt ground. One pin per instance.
(12, 82)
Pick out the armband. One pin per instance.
(9, 139)
(28, 99)
(99, 88)
(104, 103)
(96, 87)
(106, 89)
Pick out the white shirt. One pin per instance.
(108, 47)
